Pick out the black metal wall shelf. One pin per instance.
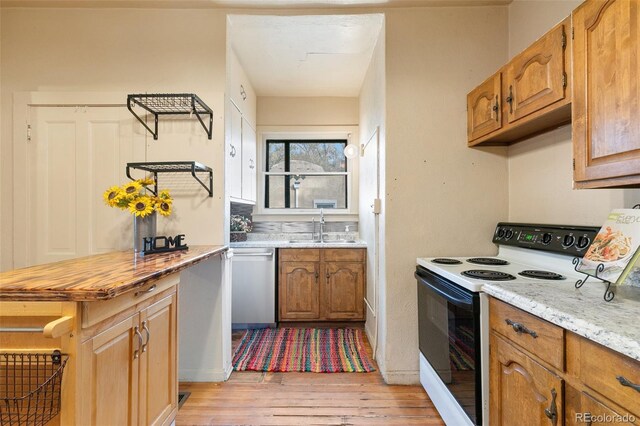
(171, 104)
(173, 167)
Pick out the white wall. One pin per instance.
(126, 51)
(441, 198)
(372, 180)
(540, 169)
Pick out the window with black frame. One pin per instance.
(306, 174)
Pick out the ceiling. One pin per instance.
(314, 55)
(254, 4)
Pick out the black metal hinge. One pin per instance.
(28, 132)
(564, 40)
(574, 164)
(564, 80)
(573, 33)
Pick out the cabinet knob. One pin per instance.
(496, 107)
(233, 151)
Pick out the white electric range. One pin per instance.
(453, 310)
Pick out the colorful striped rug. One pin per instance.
(318, 350)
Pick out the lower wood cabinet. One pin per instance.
(541, 374)
(129, 370)
(321, 284)
(521, 388)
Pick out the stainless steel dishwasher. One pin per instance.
(254, 288)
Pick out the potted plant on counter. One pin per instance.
(135, 198)
(240, 225)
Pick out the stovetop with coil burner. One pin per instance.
(526, 253)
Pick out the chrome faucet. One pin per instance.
(321, 226)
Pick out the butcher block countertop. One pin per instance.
(97, 277)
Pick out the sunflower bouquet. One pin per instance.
(133, 197)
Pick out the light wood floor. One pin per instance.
(257, 398)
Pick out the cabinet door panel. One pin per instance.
(535, 78)
(158, 384)
(583, 409)
(299, 290)
(234, 154)
(109, 389)
(483, 108)
(606, 97)
(249, 165)
(521, 388)
(343, 291)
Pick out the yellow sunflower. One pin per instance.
(146, 181)
(112, 195)
(132, 188)
(163, 207)
(141, 206)
(164, 195)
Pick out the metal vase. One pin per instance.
(143, 227)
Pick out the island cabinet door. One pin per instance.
(110, 370)
(343, 291)
(523, 392)
(158, 376)
(299, 290)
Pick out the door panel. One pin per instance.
(520, 385)
(483, 108)
(344, 290)
(299, 290)
(73, 156)
(249, 165)
(109, 387)
(535, 77)
(234, 154)
(606, 99)
(158, 385)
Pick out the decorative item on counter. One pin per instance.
(240, 225)
(133, 197)
(150, 244)
(615, 247)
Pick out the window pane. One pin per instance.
(318, 156)
(274, 198)
(275, 159)
(314, 192)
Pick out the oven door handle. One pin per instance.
(449, 297)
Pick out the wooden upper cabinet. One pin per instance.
(606, 93)
(536, 78)
(533, 93)
(483, 108)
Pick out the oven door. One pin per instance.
(449, 338)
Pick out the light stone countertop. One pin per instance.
(582, 311)
(297, 244)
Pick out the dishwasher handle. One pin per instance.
(269, 254)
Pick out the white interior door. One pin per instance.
(74, 155)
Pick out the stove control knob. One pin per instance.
(508, 234)
(568, 241)
(501, 232)
(583, 242)
(546, 238)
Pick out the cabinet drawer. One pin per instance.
(537, 336)
(94, 312)
(599, 369)
(297, 255)
(344, 255)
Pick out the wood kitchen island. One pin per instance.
(116, 317)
